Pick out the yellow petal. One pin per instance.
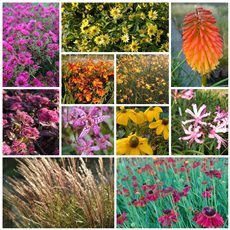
(146, 148)
(134, 151)
(132, 115)
(122, 118)
(121, 145)
(166, 133)
(154, 125)
(160, 129)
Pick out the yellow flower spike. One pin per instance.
(123, 116)
(162, 127)
(151, 113)
(133, 145)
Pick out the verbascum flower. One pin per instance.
(202, 42)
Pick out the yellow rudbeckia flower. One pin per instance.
(133, 145)
(162, 127)
(153, 112)
(123, 116)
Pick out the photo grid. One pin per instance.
(115, 114)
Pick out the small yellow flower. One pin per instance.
(115, 13)
(162, 127)
(125, 38)
(152, 15)
(151, 113)
(89, 7)
(123, 116)
(133, 145)
(95, 49)
(94, 30)
(134, 46)
(152, 29)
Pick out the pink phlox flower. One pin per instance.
(197, 115)
(193, 134)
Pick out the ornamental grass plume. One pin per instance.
(202, 42)
(53, 193)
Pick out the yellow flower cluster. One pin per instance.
(108, 27)
(144, 78)
(134, 144)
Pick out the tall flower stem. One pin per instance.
(204, 80)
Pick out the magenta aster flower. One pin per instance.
(193, 134)
(198, 115)
(169, 217)
(209, 218)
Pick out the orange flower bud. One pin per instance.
(202, 43)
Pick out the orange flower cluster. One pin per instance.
(88, 80)
(202, 43)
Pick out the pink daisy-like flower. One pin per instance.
(168, 218)
(197, 115)
(209, 218)
(193, 134)
(121, 218)
(206, 194)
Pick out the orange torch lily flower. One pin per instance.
(202, 42)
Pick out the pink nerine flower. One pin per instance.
(220, 128)
(193, 134)
(184, 94)
(197, 115)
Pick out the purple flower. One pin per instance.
(47, 116)
(89, 120)
(24, 118)
(102, 141)
(39, 43)
(22, 79)
(30, 133)
(197, 115)
(36, 34)
(6, 149)
(19, 147)
(84, 147)
(193, 134)
(37, 83)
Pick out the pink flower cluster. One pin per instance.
(199, 129)
(30, 45)
(30, 122)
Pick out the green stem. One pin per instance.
(204, 80)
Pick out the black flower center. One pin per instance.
(167, 211)
(133, 142)
(165, 122)
(210, 212)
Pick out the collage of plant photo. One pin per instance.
(115, 114)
